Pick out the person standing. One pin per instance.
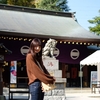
(34, 72)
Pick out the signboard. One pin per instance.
(13, 72)
(93, 77)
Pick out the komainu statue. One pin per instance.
(49, 48)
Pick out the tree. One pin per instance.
(3, 1)
(63, 5)
(55, 5)
(96, 22)
(26, 3)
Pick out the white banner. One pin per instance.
(94, 77)
(13, 72)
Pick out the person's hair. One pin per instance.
(35, 42)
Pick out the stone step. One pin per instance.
(78, 90)
(55, 98)
(67, 90)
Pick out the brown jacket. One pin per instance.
(34, 72)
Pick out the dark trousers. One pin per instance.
(36, 91)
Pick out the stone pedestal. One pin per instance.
(52, 65)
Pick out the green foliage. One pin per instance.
(47, 5)
(55, 5)
(63, 5)
(26, 3)
(96, 22)
(3, 1)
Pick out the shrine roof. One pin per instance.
(30, 22)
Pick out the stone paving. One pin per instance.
(81, 94)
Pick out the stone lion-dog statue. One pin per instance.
(49, 48)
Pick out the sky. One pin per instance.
(85, 10)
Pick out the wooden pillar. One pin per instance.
(1, 81)
(63, 71)
(3, 52)
(85, 76)
(1, 78)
